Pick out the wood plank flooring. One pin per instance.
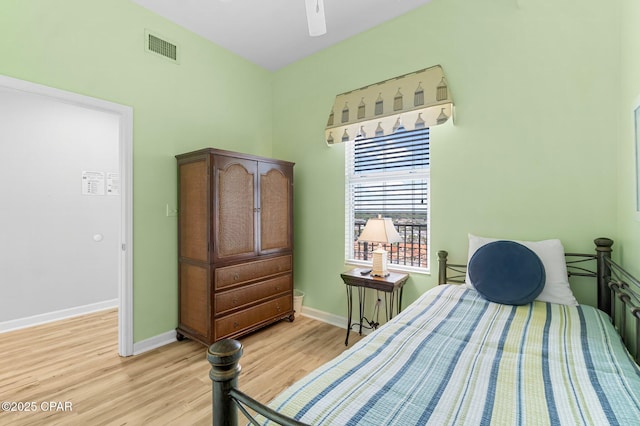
(75, 362)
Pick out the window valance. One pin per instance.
(413, 101)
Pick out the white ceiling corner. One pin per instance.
(274, 33)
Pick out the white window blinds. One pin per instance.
(389, 175)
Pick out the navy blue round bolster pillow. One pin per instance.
(507, 272)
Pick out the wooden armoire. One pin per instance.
(235, 249)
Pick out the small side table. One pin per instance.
(391, 285)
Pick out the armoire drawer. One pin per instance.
(228, 300)
(250, 271)
(250, 317)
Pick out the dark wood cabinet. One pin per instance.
(235, 250)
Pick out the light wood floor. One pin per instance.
(75, 362)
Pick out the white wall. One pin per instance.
(49, 260)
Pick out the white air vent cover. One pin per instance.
(159, 45)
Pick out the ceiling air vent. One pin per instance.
(160, 46)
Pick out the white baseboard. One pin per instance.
(332, 319)
(39, 319)
(316, 314)
(154, 342)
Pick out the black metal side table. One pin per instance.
(391, 285)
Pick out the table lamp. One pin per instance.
(380, 230)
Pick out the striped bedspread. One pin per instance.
(454, 358)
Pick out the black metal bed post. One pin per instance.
(603, 250)
(442, 267)
(223, 356)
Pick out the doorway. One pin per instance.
(99, 184)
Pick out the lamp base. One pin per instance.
(379, 268)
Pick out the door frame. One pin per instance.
(125, 152)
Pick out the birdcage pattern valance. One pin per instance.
(411, 101)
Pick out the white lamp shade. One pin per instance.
(380, 230)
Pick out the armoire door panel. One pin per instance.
(275, 208)
(236, 207)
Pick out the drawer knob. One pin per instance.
(277, 288)
(236, 276)
(235, 300)
(278, 308)
(235, 324)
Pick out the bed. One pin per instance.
(456, 357)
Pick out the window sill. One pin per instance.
(392, 268)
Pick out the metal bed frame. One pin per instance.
(618, 296)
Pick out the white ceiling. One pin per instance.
(274, 33)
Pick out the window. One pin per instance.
(389, 175)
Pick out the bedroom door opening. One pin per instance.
(67, 216)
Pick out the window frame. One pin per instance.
(352, 179)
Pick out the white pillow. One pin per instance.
(551, 253)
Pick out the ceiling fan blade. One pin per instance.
(315, 17)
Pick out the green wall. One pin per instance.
(212, 98)
(533, 149)
(532, 153)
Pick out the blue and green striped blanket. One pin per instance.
(452, 357)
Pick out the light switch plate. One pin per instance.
(171, 211)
